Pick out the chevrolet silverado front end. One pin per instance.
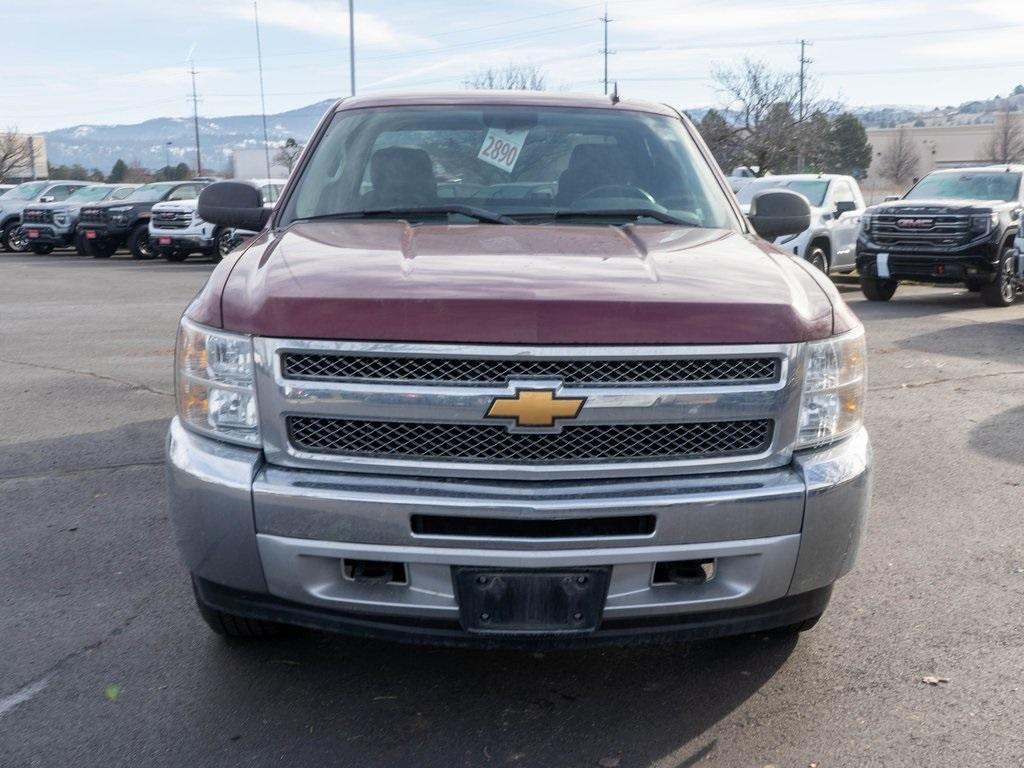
(593, 415)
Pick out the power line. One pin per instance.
(263, 96)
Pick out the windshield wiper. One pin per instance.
(480, 214)
(626, 213)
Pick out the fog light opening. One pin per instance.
(687, 572)
(374, 572)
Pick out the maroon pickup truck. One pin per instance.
(515, 370)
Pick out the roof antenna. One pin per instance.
(615, 92)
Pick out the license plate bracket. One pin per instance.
(542, 602)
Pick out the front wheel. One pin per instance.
(225, 240)
(41, 250)
(818, 258)
(80, 244)
(138, 243)
(14, 239)
(233, 627)
(99, 249)
(1002, 291)
(878, 290)
(176, 256)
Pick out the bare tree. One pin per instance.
(513, 77)
(900, 159)
(769, 128)
(288, 154)
(15, 153)
(1006, 145)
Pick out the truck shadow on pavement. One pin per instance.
(1001, 342)
(915, 305)
(1001, 437)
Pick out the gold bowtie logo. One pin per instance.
(536, 408)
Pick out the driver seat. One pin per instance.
(591, 166)
(402, 177)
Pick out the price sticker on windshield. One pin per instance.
(502, 148)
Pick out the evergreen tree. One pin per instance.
(849, 150)
(118, 172)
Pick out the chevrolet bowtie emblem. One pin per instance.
(535, 407)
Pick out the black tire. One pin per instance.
(878, 290)
(79, 243)
(138, 243)
(224, 240)
(817, 256)
(798, 627)
(41, 250)
(176, 256)
(973, 285)
(11, 239)
(99, 249)
(233, 627)
(1002, 291)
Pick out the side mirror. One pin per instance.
(235, 205)
(845, 206)
(778, 212)
(47, 199)
(890, 198)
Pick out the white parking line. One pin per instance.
(20, 697)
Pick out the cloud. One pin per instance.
(324, 18)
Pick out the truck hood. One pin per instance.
(517, 284)
(177, 205)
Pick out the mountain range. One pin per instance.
(100, 146)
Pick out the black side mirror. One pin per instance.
(779, 212)
(235, 205)
(845, 206)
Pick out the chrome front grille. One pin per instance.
(92, 216)
(635, 372)
(37, 216)
(172, 219)
(417, 410)
(920, 228)
(485, 442)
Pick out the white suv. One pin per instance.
(176, 231)
(830, 243)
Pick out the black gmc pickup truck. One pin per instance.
(953, 226)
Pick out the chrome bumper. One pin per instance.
(286, 532)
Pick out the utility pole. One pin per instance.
(167, 155)
(352, 46)
(605, 50)
(263, 98)
(804, 61)
(195, 116)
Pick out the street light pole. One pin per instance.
(352, 46)
(167, 156)
(263, 98)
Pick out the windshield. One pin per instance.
(813, 190)
(149, 193)
(523, 163)
(27, 191)
(88, 194)
(986, 185)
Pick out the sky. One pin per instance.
(124, 61)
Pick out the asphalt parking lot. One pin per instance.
(104, 662)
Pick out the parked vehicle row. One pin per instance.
(150, 220)
(953, 226)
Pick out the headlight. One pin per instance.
(60, 218)
(215, 388)
(982, 223)
(865, 222)
(195, 218)
(835, 384)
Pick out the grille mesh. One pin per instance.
(647, 371)
(486, 442)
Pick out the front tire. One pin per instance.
(41, 250)
(225, 240)
(878, 290)
(80, 244)
(138, 243)
(818, 258)
(232, 627)
(12, 238)
(99, 249)
(1002, 291)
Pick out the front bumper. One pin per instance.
(273, 543)
(111, 232)
(48, 234)
(977, 261)
(165, 242)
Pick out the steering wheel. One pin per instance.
(629, 190)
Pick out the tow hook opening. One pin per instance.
(374, 572)
(684, 572)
